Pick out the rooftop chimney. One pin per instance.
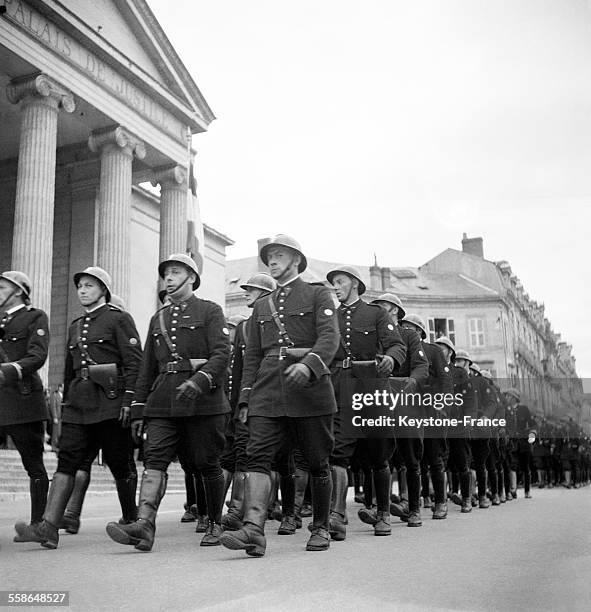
(261, 242)
(472, 246)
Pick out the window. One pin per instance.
(476, 328)
(441, 327)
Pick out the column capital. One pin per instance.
(116, 136)
(172, 176)
(40, 86)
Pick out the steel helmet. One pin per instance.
(462, 354)
(417, 321)
(445, 341)
(100, 275)
(486, 374)
(21, 280)
(476, 368)
(392, 299)
(187, 261)
(286, 241)
(234, 320)
(513, 392)
(349, 271)
(260, 281)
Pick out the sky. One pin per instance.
(393, 127)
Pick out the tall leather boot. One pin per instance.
(38, 490)
(201, 505)
(493, 479)
(513, 483)
(46, 532)
(273, 508)
(567, 479)
(414, 496)
(71, 520)
(321, 494)
(440, 508)
(340, 482)
(215, 489)
(368, 488)
(288, 521)
(251, 538)
(301, 484)
(126, 490)
(402, 484)
(232, 520)
(190, 514)
(465, 491)
(425, 486)
(140, 533)
(381, 480)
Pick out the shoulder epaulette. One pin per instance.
(114, 308)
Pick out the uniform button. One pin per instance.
(83, 363)
(173, 329)
(86, 325)
(174, 346)
(280, 341)
(87, 319)
(348, 344)
(85, 346)
(173, 337)
(280, 307)
(281, 316)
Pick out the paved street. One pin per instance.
(526, 555)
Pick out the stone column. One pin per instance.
(32, 249)
(173, 209)
(117, 147)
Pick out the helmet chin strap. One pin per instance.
(173, 294)
(10, 296)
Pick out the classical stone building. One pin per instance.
(95, 102)
(480, 304)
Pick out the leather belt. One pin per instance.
(82, 373)
(345, 364)
(277, 352)
(172, 367)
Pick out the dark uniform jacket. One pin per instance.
(486, 402)
(237, 363)
(366, 331)
(416, 364)
(464, 404)
(439, 381)
(106, 335)
(24, 341)
(197, 329)
(308, 313)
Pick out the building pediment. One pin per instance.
(120, 36)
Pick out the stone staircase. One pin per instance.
(14, 482)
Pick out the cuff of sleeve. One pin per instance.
(11, 374)
(137, 410)
(315, 363)
(203, 380)
(244, 396)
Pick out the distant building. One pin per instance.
(480, 304)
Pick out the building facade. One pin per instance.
(95, 104)
(480, 304)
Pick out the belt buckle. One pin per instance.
(170, 367)
(84, 373)
(346, 363)
(283, 352)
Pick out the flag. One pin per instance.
(195, 236)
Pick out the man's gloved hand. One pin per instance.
(243, 413)
(188, 391)
(125, 412)
(137, 429)
(410, 385)
(385, 365)
(297, 375)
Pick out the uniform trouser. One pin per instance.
(521, 459)
(271, 436)
(373, 452)
(433, 462)
(492, 462)
(78, 442)
(411, 450)
(28, 439)
(459, 458)
(234, 455)
(199, 439)
(480, 452)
